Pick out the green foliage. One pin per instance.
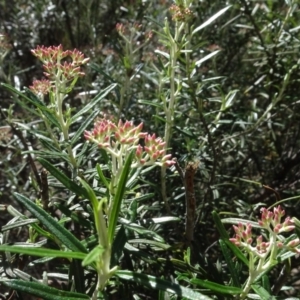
(218, 80)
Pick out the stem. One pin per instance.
(63, 123)
(169, 106)
(262, 265)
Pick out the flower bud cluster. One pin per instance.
(272, 222)
(120, 139)
(41, 87)
(59, 66)
(181, 13)
(153, 150)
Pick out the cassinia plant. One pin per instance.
(267, 249)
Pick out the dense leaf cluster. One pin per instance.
(236, 121)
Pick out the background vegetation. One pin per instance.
(236, 121)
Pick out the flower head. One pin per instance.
(59, 65)
(119, 139)
(181, 13)
(272, 222)
(41, 87)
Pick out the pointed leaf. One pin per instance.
(42, 252)
(41, 290)
(35, 101)
(237, 252)
(76, 271)
(228, 258)
(211, 19)
(161, 284)
(152, 243)
(118, 246)
(84, 126)
(203, 59)
(20, 223)
(114, 214)
(66, 181)
(215, 287)
(60, 232)
(92, 103)
(93, 256)
(101, 176)
(223, 233)
(225, 237)
(47, 112)
(151, 103)
(264, 294)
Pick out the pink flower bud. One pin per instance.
(279, 245)
(139, 151)
(128, 125)
(248, 229)
(166, 157)
(287, 228)
(236, 229)
(169, 163)
(87, 135)
(277, 228)
(293, 243)
(235, 241)
(155, 156)
(140, 127)
(130, 140)
(142, 135)
(142, 161)
(259, 239)
(147, 149)
(117, 136)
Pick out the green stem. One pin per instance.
(63, 123)
(169, 106)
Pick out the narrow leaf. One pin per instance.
(225, 237)
(237, 252)
(259, 290)
(211, 19)
(203, 59)
(161, 284)
(151, 103)
(77, 272)
(84, 126)
(42, 252)
(41, 290)
(101, 176)
(93, 256)
(48, 113)
(114, 214)
(242, 221)
(60, 232)
(219, 288)
(223, 233)
(231, 267)
(163, 246)
(266, 283)
(66, 181)
(91, 104)
(118, 246)
(35, 101)
(19, 224)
